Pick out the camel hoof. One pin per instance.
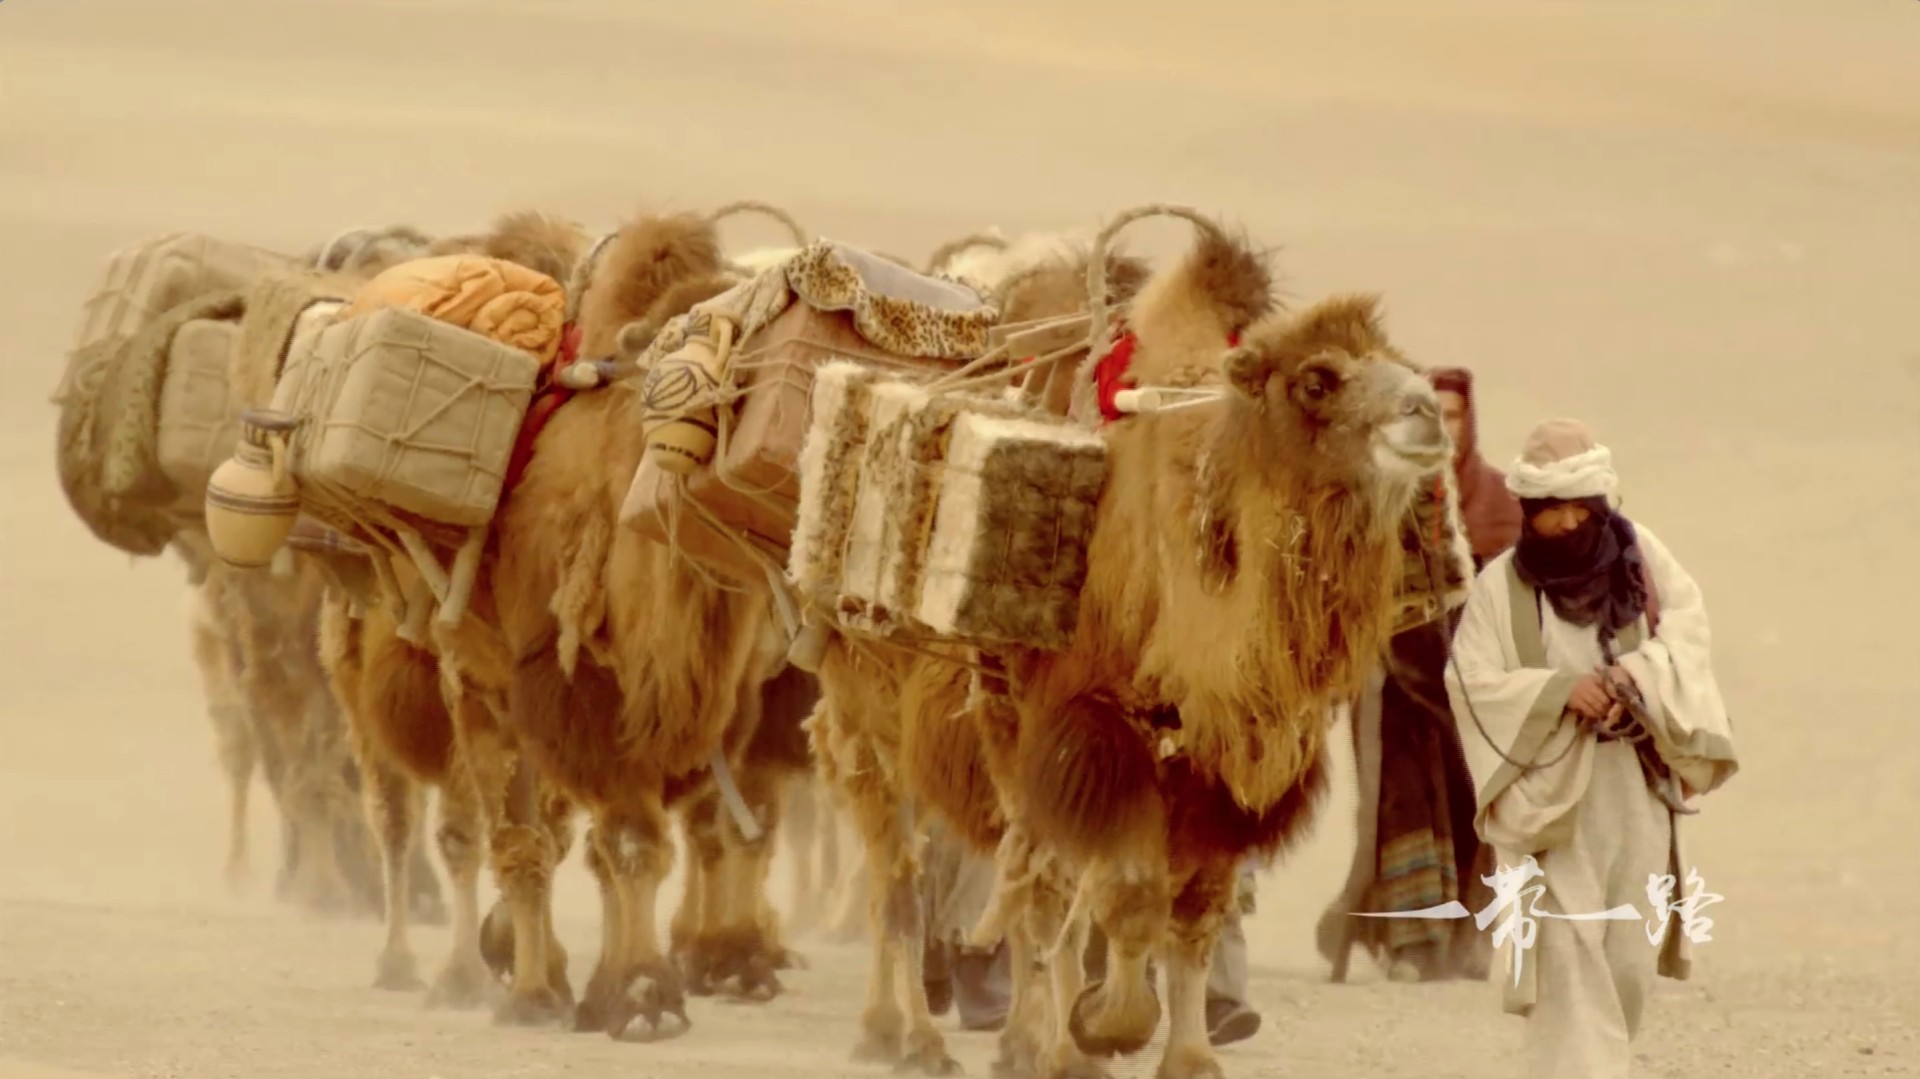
(652, 993)
(1078, 1067)
(398, 973)
(496, 942)
(699, 973)
(1019, 1056)
(536, 1008)
(463, 984)
(1190, 1064)
(932, 1062)
(596, 1003)
(1104, 1041)
(878, 1047)
(757, 980)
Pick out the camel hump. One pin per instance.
(1186, 314)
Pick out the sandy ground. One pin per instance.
(1695, 224)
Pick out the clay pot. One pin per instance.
(252, 500)
(679, 395)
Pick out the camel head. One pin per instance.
(1333, 399)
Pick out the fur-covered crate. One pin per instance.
(1007, 555)
(409, 412)
(199, 422)
(753, 484)
(830, 475)
(880, 539)
(955, 516)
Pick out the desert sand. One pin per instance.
(1694, 224)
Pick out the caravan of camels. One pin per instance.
(1070, 551)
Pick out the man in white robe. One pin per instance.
(1578, 649)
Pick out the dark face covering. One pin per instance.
(1592, 574)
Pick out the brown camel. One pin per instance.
(254, 637)
(415, 722)
(628, 670)
(1181, 729)
(892, 731)
(1243, 572)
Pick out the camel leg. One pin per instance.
(639, 854)
(239, 756)
(761, 953)
(1020, 1041)
(604, 983)
(1064, 1055)
(392, 807)
(746, 927)
(900, 943)
(802, 839)
(1029, 910)
(827, 818)
(522, 853)
(465, 981)
(428, 906)
(692, 944)
(846, 924)
(1119, 1014)
(1197, 918)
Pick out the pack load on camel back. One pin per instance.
(145, 408)
(393, 423)
(736, 392)
(936, 510)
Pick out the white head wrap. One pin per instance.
(1560, 459)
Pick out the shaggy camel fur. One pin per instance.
(1241, 577)
(629, 669)
(893, 729)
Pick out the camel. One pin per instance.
(464, 710)
(891, 730)
(627, 670)
(253, 638)
(1184, 727)
(1128, 760)
(414, 723)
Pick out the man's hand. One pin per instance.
(1590, 699)
(1617, 675)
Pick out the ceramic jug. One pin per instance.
(252, 500)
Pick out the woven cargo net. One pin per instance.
(391, 539)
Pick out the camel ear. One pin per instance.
(1249, 371)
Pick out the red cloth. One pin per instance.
(1110, 374)
(1490, 512)
(548, 396)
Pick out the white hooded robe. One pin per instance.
(1582, 808)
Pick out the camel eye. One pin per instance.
(1318, 382)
